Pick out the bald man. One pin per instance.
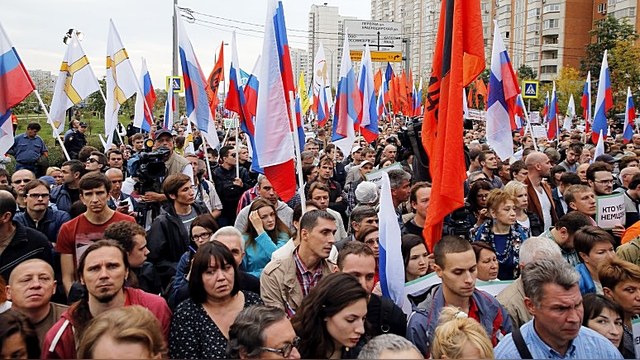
(31, 286)
(19, 179)
(625, 178)
(540, 198)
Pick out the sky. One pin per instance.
(36, 29)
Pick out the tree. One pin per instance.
(95, 102)
(606, 33)
(568, 83)
(625, 71)
(526, 72)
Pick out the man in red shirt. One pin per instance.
(80, 232)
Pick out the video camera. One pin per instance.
(411, 138)
(150, 169)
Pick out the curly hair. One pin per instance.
(455, 331)
(332, 294)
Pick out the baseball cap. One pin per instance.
(356, 149)
(365, 162)
(83, 124)
(161, 132)
(606, 158)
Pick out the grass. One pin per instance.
(56, 156)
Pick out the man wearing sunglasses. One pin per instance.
(229, 187)
(262, 332)
(19, 179)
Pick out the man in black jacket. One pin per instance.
(18, 242)
(228, 185)
(169, 233)
(383, 315)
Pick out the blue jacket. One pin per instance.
(423, 320)
(587, 286)
(258, 254)
(60, 196)
(49, 225)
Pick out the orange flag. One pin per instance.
(458, 60)
(481, 89)
(377, 81)
(402, 92)
(213, 82)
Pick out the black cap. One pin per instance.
(161, 132)
(606, 158)
(83, 124)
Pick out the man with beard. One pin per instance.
(103, 269)
(539, 192)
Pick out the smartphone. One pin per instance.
(123, 203)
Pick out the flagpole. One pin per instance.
(526, 117)
(206, 158)
(296, 146)
(235, 119)
(55, 131)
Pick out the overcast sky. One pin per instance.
(36, 29)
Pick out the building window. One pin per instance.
(533, 27)
(551, 24)
(602, 9)
(549, 69)
(551, 8)
(533, 13)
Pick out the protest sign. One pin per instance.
(610, 210)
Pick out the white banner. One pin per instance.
(610, 210)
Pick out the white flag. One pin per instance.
(122, 81)
(571, 114)
(75, 83)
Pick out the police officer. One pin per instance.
(74, 139)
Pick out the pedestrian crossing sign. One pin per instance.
(176, 83)
(530, 89)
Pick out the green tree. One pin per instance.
(625, 71)
(605, 34)
(526, 72)
(95, 102)
(568, 83)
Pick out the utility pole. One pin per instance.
(176, 112)
(407, 57)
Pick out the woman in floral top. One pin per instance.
(503, 233)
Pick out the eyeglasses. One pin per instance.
(37, 196)
(92, 160)
(204, 236)
(285, 350)
(21, 181)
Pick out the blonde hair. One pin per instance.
(51, 169)
(127, 324)
(455, 330)
(513, 187)
(498, 197)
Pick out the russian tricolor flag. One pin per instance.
(169, 108)
(552, 129)
(195, 84)
(273, 139)
(586, 104)
(145, 102)
(369, 122)
(604, 102)
(519, 114)
(15, 86)
(380, 104)
(503, 92)
(348, 108)
(251, 90)
(629, 117)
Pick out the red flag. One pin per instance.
(377, 80)
(213, 82)
(458, 59)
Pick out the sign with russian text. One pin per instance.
(610, 210)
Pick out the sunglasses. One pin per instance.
(91, 160)
(21, 181)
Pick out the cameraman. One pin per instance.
(175, 164)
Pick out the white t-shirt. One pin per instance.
(545, 203)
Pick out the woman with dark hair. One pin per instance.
(503, 233)
(202, 227)
(265, 233)
(486, 261)
(18, 338)
(415, 256)
(310, 173)
(477, 201)
(369, 235)
(200, 325)
(605, 317)
(331, 319)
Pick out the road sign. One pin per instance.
(378, 56)
(380, 35)
(530, 89)
(176, 83)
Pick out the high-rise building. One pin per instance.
(620, 9)
(420, 20)
(326, 27)
(299, 63)
(43, 80)
(546, 35)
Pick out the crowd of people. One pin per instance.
(161, 248)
